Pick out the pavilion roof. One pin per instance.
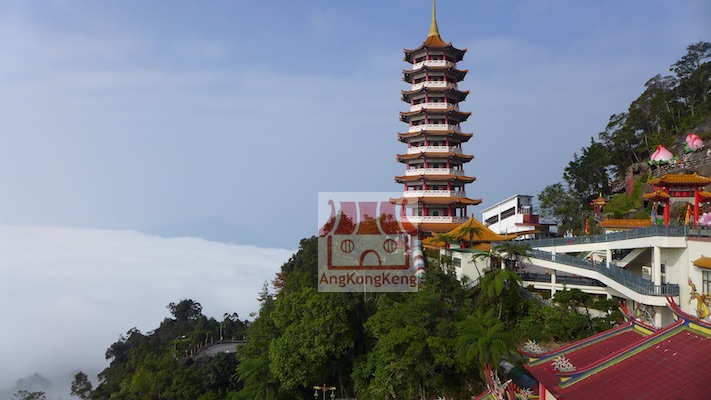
(626, 223)
(599, 200)
(680, 180)
(657, 195)
(486, 235)
(634, 363)
(703, 262)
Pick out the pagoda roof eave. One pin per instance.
(703, 262)
(449, 155)
(435, 178)
(433, 44)
(437, 200)
(437, 111)
(444, 132)
(458, 92)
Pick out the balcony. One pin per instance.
(432, 63)
(434, 106)
(434, 193)
(434, 149)
(434, 127)
(433, 171)
(435, 84)
(443, 219)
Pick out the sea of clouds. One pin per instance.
(67, 294)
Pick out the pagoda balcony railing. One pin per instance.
(433, 63)
(434, 127)
(434, 106)
(434, 218)
(434, 149)
(433, 171)
(434, 84)
(434, 193)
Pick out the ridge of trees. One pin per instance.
(669, 107)
(422, 345)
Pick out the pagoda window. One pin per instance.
(435, 213)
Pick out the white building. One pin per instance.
(513, 216)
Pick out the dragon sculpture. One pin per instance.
(702, 301)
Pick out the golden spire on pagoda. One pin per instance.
(434, 30)
(433, 39)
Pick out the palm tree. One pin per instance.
(511, 252)
(484, 338)
(470, 231)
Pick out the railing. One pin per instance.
(434, 149)
(675, 166)
(434, 193)
(433, 63)
(433, 171)
(435, 84)
(434, 106)
(416, 219)
(620, 275)
(562, 279)
(434, 127)
(673, 231)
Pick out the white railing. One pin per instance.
(433, 171)
(431, 218)
(433, 63)
(434, 127)
(434, 84)
(434, 149)
(434, 106)
(434, 193)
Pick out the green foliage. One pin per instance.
(27, 395)
(81, 386)
(155, 366)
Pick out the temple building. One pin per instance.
(434, 197)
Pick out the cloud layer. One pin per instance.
(69, 293)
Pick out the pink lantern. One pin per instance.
(694, 142)
(662, 154)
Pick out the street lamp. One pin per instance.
(324, 389)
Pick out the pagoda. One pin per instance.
(434, 196)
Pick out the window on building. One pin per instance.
(706, 281)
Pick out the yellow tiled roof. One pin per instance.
(681, 180)
(657, 194)
(486, 235)
(703, 262)
(626, 223)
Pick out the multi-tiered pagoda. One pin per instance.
(434, 183)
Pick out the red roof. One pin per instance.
(671, 363)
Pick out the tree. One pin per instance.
(588, 174)
(559, 204)
(81, 387)
(185, 310)
(27, 395)
(483, 339)
(470, 231)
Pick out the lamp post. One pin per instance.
(324, 389)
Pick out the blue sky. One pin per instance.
(134, 114)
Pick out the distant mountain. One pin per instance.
(216, 230)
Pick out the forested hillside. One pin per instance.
(668, 109)
(370, 345)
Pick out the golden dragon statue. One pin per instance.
(702, 301)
